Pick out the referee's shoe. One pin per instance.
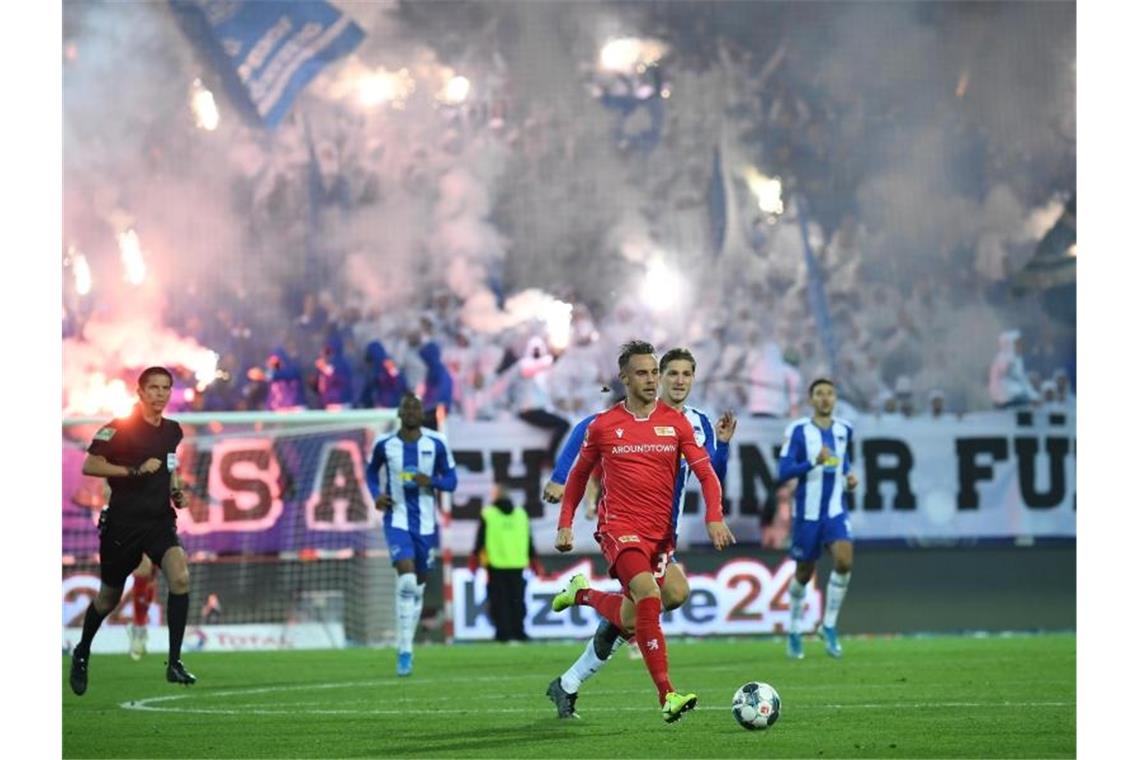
(78, 671)
(176, 673)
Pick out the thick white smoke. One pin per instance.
(525, 187)
(1012, 66)
(228, 213)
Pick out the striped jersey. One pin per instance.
(819, 492)
(413, 507)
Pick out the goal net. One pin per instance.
(280, 529)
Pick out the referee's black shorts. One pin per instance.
(122, 545)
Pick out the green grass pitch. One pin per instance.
(996, 696)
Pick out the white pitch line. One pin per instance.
(156, 704)
(291, 710)
(404, 683)
(442, 699)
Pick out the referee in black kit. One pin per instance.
(137, 457)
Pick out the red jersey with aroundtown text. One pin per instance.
(638, 461)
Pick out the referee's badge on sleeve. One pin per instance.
(172, 461)
(105, 433)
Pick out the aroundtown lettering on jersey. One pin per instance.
(645, 448)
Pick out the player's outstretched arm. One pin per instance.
(564, 540)
(714, 514)
(372, 472)
(576, 484)
(725, 427)
(793, 456)
(715, 445)
(568, 455)
(372, 477)
(444, 478)
(720, 534)
(701, 466)
(552, 492)
(852, 480)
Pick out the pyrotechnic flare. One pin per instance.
(382, 86)
(456, 90)
(80, 270)
(131, 253)
(662, 285)
(557, 318)
(631, 54)
(202, 104)
(767, 190)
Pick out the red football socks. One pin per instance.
(142, 594)
(651, 640)
(606, 602)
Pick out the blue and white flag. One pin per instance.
(726, 225)
(817, 295)
(717, 199)
(267, 51)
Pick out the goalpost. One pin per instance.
(280, 526)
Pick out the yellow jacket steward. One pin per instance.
(507, 539)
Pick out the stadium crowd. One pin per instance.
(332, 357)
(911, 333)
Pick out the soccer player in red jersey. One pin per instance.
(639, 443)
(678, 370)
(142, 594)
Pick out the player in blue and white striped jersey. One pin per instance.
(817, 453)
(678, 369)
(417, 463)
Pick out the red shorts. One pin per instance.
(658, 552)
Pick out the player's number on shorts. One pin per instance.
(662, 563)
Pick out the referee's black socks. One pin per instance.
(91, 622)
(177, 606)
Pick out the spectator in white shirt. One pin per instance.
(531, 393)
(774, 387)
(1009, 385)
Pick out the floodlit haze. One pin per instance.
(470, 149)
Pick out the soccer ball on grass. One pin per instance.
(756, 706)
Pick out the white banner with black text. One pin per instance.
(979, 476)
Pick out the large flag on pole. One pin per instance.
(268, 50)
(717, 204)
(817, 295)
(726, 230)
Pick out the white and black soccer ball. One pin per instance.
(756, 706)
